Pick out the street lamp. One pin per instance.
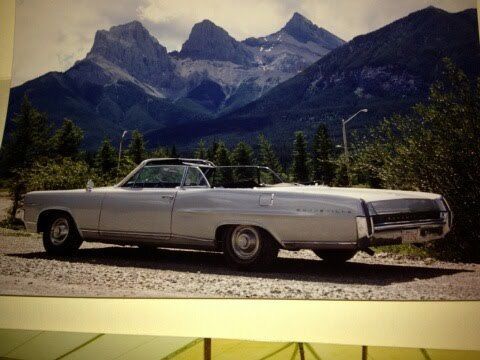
(344, 122)
(120, 151)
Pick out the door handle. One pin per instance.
(168, 197)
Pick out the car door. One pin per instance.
(192, 221)
(141, 209)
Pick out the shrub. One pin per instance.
(437, 149)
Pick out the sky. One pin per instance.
(50, 35)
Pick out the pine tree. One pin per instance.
(29, 140)
(201, 152)
(243, 155)
(173, 152)
(106, 157)
(67, 139)
(222, 158)
(322, 167)
(136, 149)
(222, 155)
(341, 174)
(160, 152)
(300, 159)
(212, 151)
(267, 155)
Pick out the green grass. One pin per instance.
(405, 250)
(16, 233)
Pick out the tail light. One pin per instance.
(363, 227)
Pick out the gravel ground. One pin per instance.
(105, 270)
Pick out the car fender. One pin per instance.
(259, 224)
(59, 208)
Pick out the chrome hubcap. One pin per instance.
(245, 242)
(59, 231)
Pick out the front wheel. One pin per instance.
(249, 248)
(61, 236)
(335, 256)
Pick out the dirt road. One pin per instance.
(105, 270)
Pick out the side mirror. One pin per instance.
(90, 185)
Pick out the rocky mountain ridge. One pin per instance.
(287, 81)
(387, 71)
(210, 55)
(128, 80)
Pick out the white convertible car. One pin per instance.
(246, 212)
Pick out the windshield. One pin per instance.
(157, 176)
(241, 176)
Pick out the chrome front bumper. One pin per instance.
(30, 226)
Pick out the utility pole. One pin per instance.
(120, 151)
(344, 130)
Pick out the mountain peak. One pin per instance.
(433, 8)
(208, 41)
(134, 24)
(300, 26)
(132, 33)
(208, 28)
(209, 24)
(131, 47)
(303, 30)
(298, 19)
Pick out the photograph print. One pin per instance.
(264, 149)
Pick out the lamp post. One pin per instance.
(120, 151)
(344, 122)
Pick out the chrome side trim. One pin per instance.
(134, 238)
(90, 234)
(184, 237)
(133, 235)
(293, 245)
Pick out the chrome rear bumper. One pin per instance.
(409, 232)
(404, 227)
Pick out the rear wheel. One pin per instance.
(248, 247)
(335, 256)
(60, 236)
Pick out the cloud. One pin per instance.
(241, 19)
(52, 35)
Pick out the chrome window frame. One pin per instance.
(184, 162)
(183, 186)
(187, 163)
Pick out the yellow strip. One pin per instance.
(432, 325)
(7, 25)
(182, 349)
(86, 343)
